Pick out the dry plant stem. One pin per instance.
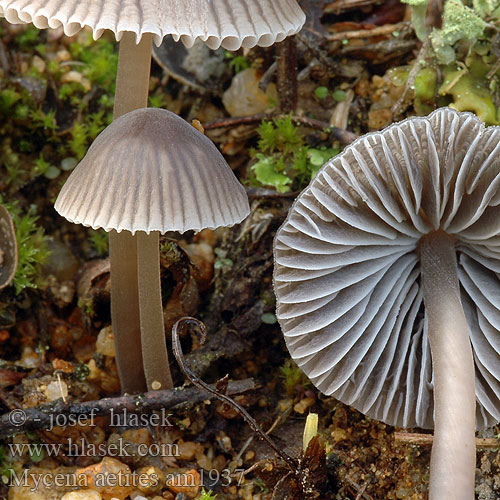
(453, 455)
(154, 347)
(344, 136)
(416, 439)
(377, 31)
(179, 356)
(132, 83)
(42, 417)
(399, 107)
(286, 74)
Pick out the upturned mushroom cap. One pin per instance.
(230, 23)
(152, 171)
(8, 248)
(347, 273)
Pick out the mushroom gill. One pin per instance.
(391, 252)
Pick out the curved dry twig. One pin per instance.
(177, 350)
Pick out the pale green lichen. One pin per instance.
(485, 8)
(418, 11)
(460, 23)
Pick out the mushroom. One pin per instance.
(389, 259)
(228, 23)
(8, 248)
(147, 173)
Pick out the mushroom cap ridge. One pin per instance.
(152, 171)
(347, 273)
(228, 23)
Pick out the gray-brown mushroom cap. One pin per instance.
(151, 171)
(8, 248)
(347, 272)
(228, 23)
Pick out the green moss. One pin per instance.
(100, 242)
(293, 376)
(32, 250)
(38, 131)
(282, 159)
(100, 58)
(237, 62)
(206, 495)
(28, 37)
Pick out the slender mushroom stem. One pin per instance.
(453, 454)
(125, 311)
(154, 347)
(132, 84)
(132, 78)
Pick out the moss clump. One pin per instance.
(283, 160)
(293, 377)
(53, 110)
(32, 248)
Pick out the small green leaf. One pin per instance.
(339, 95)
(52, 172)
(268, 318)
(267, 174)
(321, 92)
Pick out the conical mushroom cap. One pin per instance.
(347, 272)
(8, 248)
(230, 23)
(151, 171)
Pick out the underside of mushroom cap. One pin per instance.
(152, 171)
(347, 272)
(228, 23)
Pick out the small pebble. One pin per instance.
(38, 63)
(188, 483)
(63, 55)
(105, 342)
(187, 450)
(82, 495)
(56, 390)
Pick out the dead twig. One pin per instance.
(339, 6)
(416, 439)
(179, 356)
(257, 192)
(412, 76)
(344, 136)
(268, 76)
(286, 74)
(387, 29)
(42, 417)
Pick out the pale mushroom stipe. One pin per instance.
(228, 23)
(147, 173)
(389, 259)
